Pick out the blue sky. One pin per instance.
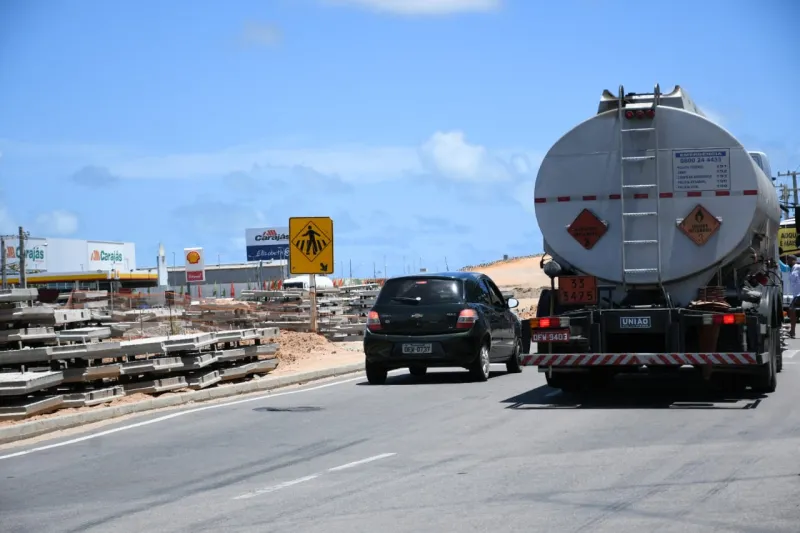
(418, 125)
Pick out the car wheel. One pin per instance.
(514, 363)
(417, 370)
(376, 374)
(480, 368)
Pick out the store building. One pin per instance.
(220, 277)
(56, 255)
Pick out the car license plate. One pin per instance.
(553, 335)
(417, 348)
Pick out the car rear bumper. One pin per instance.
(447, 350)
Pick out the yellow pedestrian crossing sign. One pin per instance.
(311, 248)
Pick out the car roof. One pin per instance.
(450, 275)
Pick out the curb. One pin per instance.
(35, 428)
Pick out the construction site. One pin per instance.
(89, 349)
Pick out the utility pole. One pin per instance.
(23, 278)
(793, 175)
(3, 260)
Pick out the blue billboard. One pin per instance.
(268, 252)
(267, 244)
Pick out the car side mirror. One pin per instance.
(512, 303)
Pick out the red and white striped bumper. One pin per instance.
(638, 359)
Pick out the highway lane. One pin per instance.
(441, 454)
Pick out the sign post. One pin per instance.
(195, 267)
(311, 252)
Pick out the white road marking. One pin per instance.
(285, 484)
(361, 462)
(273, 488)
(788, 354)
(170, 417)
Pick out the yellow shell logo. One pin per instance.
(193, 257)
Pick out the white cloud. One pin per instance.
(446, 154)
(57, 222)
(7, 226)
(450, 155)
(424, 7)
(256, 33)
(353, 163)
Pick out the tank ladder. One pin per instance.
(648, 192)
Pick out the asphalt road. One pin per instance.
(437, 455)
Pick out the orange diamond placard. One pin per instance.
(587, 229)
(700, 225)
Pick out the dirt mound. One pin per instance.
(301, 351)
(295, 345)
(518, 273)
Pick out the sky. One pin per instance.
(417, 125)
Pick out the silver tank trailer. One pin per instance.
(584, 170)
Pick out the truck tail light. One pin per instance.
(466, 319)
(549, 322)
(374, 321)
(725, 319)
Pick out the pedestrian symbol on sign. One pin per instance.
(311, 241)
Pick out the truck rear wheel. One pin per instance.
(765, 380)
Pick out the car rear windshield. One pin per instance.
(425, 291)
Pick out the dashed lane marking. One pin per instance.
(291, 483)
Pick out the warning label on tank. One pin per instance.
(699, 225)
(701, 170)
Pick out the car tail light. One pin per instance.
(466, 319)
(549, 322)
(373, 321)
(650, 113)
(629, 114)
(726, 319)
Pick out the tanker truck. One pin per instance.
(661, 232)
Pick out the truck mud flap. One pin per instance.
(644, 359)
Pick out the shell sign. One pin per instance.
(195, 265)
(193, 257)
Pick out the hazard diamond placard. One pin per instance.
(700, 225)
(587, 229)
(311, 245)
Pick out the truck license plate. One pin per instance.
(417, 348)
(554, 335)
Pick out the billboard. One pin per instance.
(195, 264)
(267, 244)
(786, 241)
(106, 256)
(35, 254)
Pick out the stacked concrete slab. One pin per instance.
(341, 311)
(46, 366)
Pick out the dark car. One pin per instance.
(453, 319)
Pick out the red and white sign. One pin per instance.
(195, 264)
